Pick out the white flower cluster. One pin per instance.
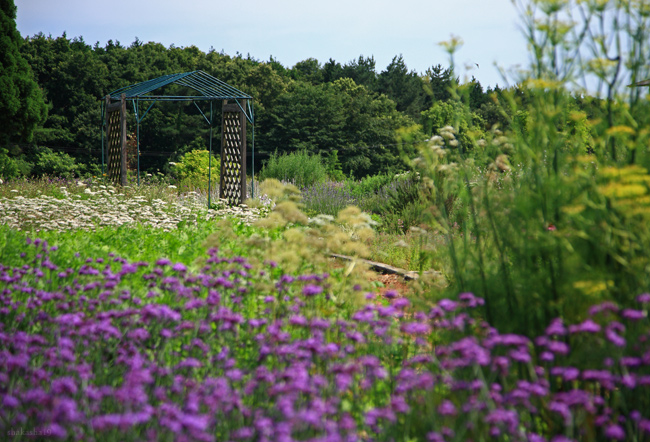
(105, 207)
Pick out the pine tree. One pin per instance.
(22, 106)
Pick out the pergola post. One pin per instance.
(233, 154)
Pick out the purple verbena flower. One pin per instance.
(312, 290)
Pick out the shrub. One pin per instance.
(299, 168)
(54, 164)
(369, 185)
(192, 169)
(11, 167)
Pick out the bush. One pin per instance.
(396, 198)
(192, 170)
(369, 185)
(54, 164)
(13, 163)
(299, 168)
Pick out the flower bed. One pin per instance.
(235, 352)
(105, 207)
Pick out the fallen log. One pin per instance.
(381, 267)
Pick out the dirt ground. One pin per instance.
(393, 282)
(390, 281)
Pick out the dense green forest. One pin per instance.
(362, 121)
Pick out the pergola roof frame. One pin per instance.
(209, 89)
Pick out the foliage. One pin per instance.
(54, 164)
(334, 166)
(369, 185)
(21, 103)
(439, 82)
(401, 203)
(193, 169)
(299, 168)
(549, 217)
(403, 87)
(536, 198)
(9, 165)
(395, 199)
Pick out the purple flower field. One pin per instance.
(153, 351)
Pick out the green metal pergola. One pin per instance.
(205, 88)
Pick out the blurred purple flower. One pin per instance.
(312, 290)
(643, 298)
(435, 437)
(558, 347)
(556, 328)
(567, 373)
(10, 401)
(603, 307)
(447, 305)
(447, 408)
(243, 433)
(614, 431)
(391, 294)
(588, 326)
(179, 267)
(634, 315)
(614, 338)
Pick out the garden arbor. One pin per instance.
(236, 110)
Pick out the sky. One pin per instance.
(294, 30)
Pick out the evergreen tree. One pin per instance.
(403, 87)
(22, 106)
(362, 71)
(332, 71)
(438, 82)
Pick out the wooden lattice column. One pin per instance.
(116, 140)
(233, 154)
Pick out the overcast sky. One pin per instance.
(294, 30)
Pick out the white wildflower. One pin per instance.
(436, 140)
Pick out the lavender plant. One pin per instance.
(327, 198)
